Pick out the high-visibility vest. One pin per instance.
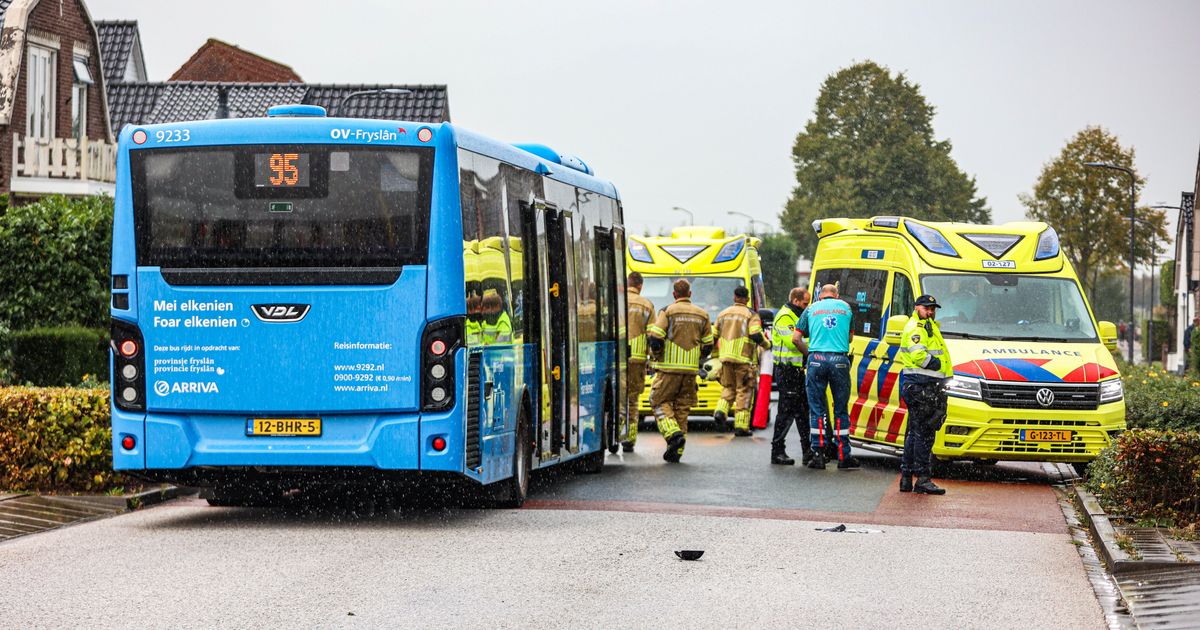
(733, 329)
(784, 351)
(639, 316)
(920, 343)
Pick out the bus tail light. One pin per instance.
(129, 367)
(438, 345)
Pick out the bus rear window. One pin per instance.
(282, 206)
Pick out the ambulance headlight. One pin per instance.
(931, 239)
(639, 252)
(1111, 391)
(964, 387)
(1047, 246)
(730, 251)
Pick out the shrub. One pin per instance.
(1148, 473)
(55, 439)
(1156, 399)
(58, 356)
(54, 271)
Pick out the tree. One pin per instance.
(1166, 290)
(869, 150)
(778, 256)
(1089, 207)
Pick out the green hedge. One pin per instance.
(1156, 399)
(51, 357)
(1150, 474)
(55, 439)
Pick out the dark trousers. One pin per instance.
(926, 403)
(829, 371)
(793, 406)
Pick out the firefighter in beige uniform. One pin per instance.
(638, 319)
(681, 337)
(739, 335)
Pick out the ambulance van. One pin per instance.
(1034, 377)
(715, 264)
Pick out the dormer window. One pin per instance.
(79, 96)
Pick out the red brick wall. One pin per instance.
(71, 27)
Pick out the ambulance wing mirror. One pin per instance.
(895, 327)
(1108, 335)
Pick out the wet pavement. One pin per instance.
(21, 515)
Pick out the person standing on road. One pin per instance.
(681, 337)
(789, 374)
(827, 324)
(639, 313)
(738, 334)
(927, 365)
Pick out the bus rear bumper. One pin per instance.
(381, 442)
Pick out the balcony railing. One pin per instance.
(64, 158)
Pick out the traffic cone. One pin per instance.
(762, 400)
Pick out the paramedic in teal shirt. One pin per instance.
(827, 324)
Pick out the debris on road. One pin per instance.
(689, 554)
(838, 529)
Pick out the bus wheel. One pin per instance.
(230, 497)
(511, 492)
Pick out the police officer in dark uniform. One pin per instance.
(927, 366)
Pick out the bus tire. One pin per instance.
(511, 492)
(228, 497)
(593, 462)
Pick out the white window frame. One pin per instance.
(79, 96)
(42, 78)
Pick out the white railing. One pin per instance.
(64, 158)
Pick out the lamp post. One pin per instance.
(749, 218)
(1132, 212)
(351, 95)
(691, 217)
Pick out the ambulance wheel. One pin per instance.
(511, 492)
(1080, 469)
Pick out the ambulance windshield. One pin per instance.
(1010, 307)
(711, 294)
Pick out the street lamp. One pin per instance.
(366, 92)
(691, 217)
(751, 219)
(1132, 212)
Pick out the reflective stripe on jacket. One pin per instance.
(920, 343)
(685, 330)
(639, 315)
(733, 329)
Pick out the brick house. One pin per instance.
(221, 80)
(54, 124)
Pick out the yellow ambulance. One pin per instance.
(714, 263)
(1034, 376)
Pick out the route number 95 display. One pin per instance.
(281, 170)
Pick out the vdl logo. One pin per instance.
(280, 313)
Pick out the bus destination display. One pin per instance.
(281, 170)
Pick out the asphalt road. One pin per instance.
(588, 551)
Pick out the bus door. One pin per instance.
(608, 286)
(546, 247)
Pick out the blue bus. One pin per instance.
(301, 301)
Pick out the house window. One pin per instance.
(40, 106)
(79, 94)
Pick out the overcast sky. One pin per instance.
(697, 104)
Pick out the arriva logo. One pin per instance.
(162, 388)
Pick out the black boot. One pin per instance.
(817, 462)
(740, 432)
(719, 418)
(781, 458)
(806, 456)
(906, 482)
(674, 443)
(925, 485)
(850, 462)
(627, 447)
